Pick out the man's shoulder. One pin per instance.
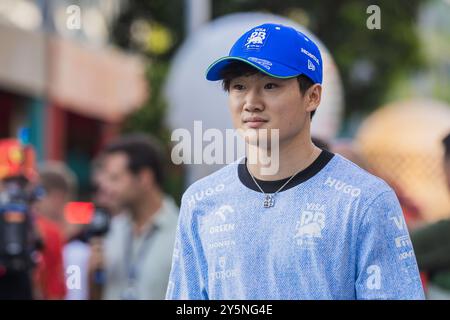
(344, 175)
(210, 191)
(120, 219)
(167, 217)
(215, 181)
(120, 224)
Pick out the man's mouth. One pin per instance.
(255, 122)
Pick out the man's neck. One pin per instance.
(294, 157)
(144, 210)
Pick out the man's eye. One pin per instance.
(270, 86)
(238, 87)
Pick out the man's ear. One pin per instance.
(312, 97)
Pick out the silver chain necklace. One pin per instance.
(269, 198)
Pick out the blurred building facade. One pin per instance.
(61, 78)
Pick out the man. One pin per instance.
(56, 181)
(98, 195)
(319, 228)
(137, 249)
(60, 185)
(49, 278)
(20, 240)
(432, 245)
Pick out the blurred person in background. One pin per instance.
(136, 254)
(20, 239)
(432, 246)
(49, 275)
(59, 184)
(99, 195)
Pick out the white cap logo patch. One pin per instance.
(256, 39)
(311, 66)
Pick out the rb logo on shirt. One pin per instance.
(311, 222)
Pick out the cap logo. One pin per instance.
(309, 54)
(264, 63)
(311, 66)
(256, 39)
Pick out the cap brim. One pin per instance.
(277, 70)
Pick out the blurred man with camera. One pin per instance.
(19, 237)
(135, 256)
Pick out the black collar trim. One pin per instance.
(272, 186)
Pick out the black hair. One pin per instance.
(238, 69)
(320, 143)
(143, 152)
(446, 143)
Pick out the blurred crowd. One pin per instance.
(119, 245)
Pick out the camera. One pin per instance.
(95, 219)
(99, 225)
(97, 222)
(18, 239)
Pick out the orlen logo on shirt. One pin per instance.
(342, 186)
(219, 216)
(204, 193)
(225, 227)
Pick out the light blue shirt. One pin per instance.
(339, 234)
(149, 253)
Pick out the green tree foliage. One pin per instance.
(150, 118)
(380, 55)
(368, 60)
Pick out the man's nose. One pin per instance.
(253, 101)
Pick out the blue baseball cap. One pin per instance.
(274, 49)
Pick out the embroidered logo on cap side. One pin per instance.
(256, 39)
(262, 62)
(309, 54)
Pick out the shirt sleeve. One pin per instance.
(386, 266)
(187, 280)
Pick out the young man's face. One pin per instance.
(263, 102)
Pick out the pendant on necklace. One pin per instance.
(269, 201)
